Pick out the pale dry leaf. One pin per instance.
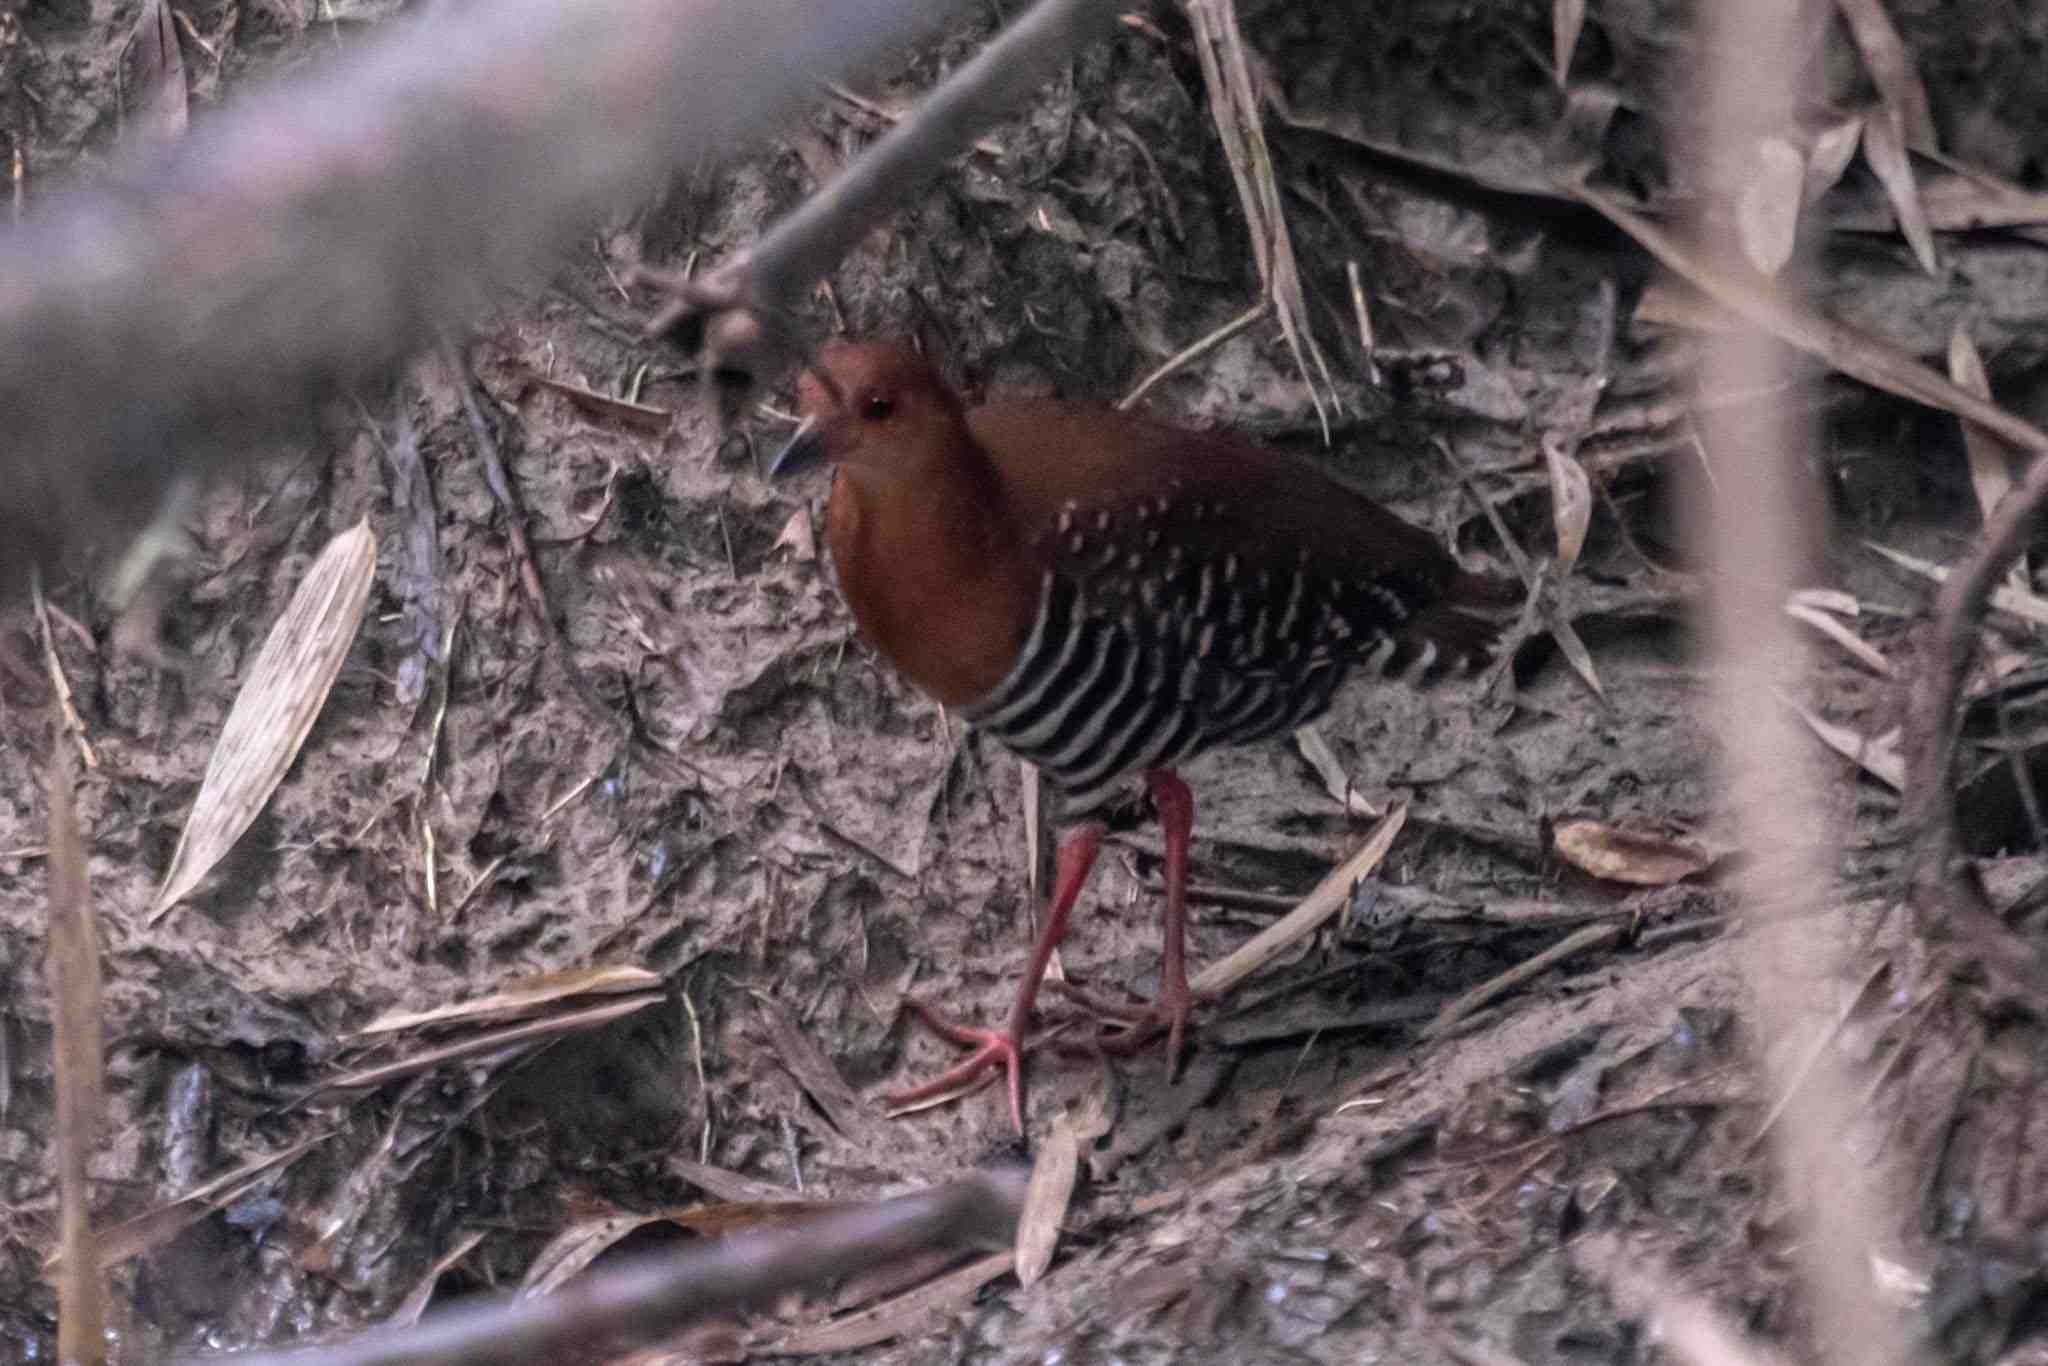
(1336, 781)
(1235, 109)
(1577, 655)
(1571, 500)
(73, 965)
(155, 1227)
(798, 536)
(1878, 756)
(1827, 600)
(1891, 69)
(1990, 468)
(576, 1247)
(1616, 855)
(913, 1312)
(523, 1034)
(2025, 604)
(1567, 21)
(422, 1293)
(1893, 166)
(162, 97)
(1957, 198)
(1054, 1170)
(1855, 353)
(1991, 460)
(641, 417)
(1857, 646)
(1830, 153)
(1585, 939)
(275, 709)
(1331, 895)
(523, 996)
(1768, 204)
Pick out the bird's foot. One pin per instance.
(992, 1048)
(1141, 1023)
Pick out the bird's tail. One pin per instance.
(1458, 633)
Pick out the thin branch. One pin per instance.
(192, 306)
(645, 1301)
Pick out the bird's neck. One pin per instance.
(931, 565)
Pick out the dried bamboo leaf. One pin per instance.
(1827, 600)
(1893, 166)
(571, 1251)
(1234, 107)
(1329, 897)
(1567, 21)
(275, 708)
(1990, 473)
(1053, 1174)
(913, 1312)
(1891, 69)
(1878, 755)
(1834, 147)
(1990, 459)
(155, 1227)
(576, 1247)
(1336, 781)
(74, 975)
(162, 97)
(1571, 501)
(1577, 655)
(1957, 198)
(2027, 605)
(1585, 939)
(1861, 649)
(422, 1293)
(521, 997)
(524, 1034)
(641, 417)
(1854, 353)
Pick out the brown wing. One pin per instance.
(1276, 559)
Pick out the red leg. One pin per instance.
(1176, 807)
(1005, 1046)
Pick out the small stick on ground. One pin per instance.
(501, 487)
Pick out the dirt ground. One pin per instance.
(692, 766)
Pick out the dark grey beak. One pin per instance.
(805, 449)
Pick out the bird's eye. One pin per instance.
(878, 407)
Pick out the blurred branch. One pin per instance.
(614, 1309)
(737, 317)
(196, 303)
(1755, 530)
(1943, 890)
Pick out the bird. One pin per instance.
(1108, 595)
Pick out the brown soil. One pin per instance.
(694, 766)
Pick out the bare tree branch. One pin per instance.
(615, 1309)
(195, 304)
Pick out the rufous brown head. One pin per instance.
(876, 405)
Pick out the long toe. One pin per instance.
(1138, 1024)
(992, 1048)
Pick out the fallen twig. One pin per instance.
(644, 1301)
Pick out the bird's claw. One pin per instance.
(1141, 1023)
(992, 1047)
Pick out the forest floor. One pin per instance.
(691, 773)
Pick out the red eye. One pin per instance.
(878, 408)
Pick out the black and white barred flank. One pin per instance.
(1148, 659)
